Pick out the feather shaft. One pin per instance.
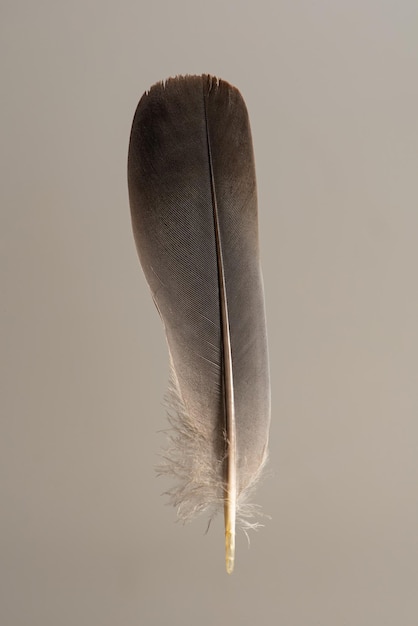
(228, 379)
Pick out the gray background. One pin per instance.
(85, 538)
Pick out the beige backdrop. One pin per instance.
(85, 538)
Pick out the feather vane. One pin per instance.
(192, 191)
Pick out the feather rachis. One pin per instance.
(230, 488)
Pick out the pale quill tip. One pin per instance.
(229, 548)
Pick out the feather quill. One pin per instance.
(192, 192)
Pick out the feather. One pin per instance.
(192, 193)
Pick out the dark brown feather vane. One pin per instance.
(192, 193)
